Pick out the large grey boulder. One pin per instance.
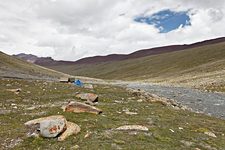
(52, 127)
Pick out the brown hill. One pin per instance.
(48, 61)
(146, 52)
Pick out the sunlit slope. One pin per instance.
(191, 64)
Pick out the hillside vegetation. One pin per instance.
(201, 65)
(16, 68)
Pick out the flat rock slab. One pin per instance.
(78, 107)
(88, 96)
(132, 127)
(72, 129)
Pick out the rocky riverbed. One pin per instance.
(209, 103)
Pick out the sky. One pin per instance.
(73, 29)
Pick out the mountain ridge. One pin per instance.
(48, 61)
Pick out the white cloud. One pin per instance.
(72, 29)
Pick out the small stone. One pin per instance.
(88, 86)
(75, 147)
(210, 134)
(119, 102)
(140, 100)
(31, 108)
(132, 127)
(87, 135)
(131, 113)
(15, 107)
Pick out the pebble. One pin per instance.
(132, 127)
(140, 100)
(75, 147)
(131, 113)
(211, 134)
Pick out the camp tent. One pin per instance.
(78, 83)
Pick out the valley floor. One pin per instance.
(168, 128)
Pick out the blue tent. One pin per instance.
(78, 83)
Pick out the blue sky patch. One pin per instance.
(166, 20)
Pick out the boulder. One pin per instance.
(132, 127)
(50, 126)
(78, 107)
(88, 96)
(72, 129)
